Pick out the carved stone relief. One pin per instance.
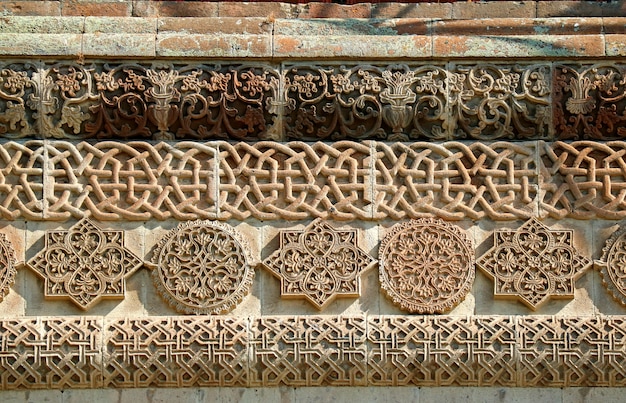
(202, 267)
(176, 352)
(426, 265)
(319, 264)
(612, 265)
(590, 101)
(308, 351)
(247, 101)
(7, 266)
(84, 264)
(533, 264)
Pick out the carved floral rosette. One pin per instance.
(202, 267)
(612, 265)
(7, 266)
(426, 265)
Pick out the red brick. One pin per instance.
(268, 10)
(581, 9)
(418, 10)
(519, 26)
(96, 8)
(493, 9)
(208, 25)
(175, 9)
(203, 45)
(28, 8)
(519, 46)
(329, 10)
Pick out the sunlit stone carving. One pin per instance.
(533, 264)
(85, 264)
(426, 265)
(319, 263)
(202, 267)
(7, 266)
(612, 265)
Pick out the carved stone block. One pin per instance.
(533, 264)
(564, 352)
(612, 265)
(590, 101)
(7, 266)
(583, 180)
(84, 264)
(202, 267)
(294, 181)
(21, 180)
(176, 352)
(131, 181)
(319, 264)
(426, 265)
(308, 351)
(58, 353)
(455, 180)
(441, 351)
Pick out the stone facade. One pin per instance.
(252, 200)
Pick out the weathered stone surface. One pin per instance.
(501, 9)
(327, 10)
(123, 45)
(417, 10)
(150, 8)
(108, 8)
(31, 8)
(268, 10)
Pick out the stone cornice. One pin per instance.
(346, 39)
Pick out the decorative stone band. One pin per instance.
(440, 101)
(294, 181)
(93, 352)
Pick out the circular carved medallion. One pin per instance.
(7, 266)
(426, 265)
(202, 267)
(613, 265)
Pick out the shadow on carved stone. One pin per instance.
(426, 265)
(612, 265)
(533, 264)
(7, 266)
(202, 267)
(319, 264)
(84, 264)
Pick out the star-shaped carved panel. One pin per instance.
(426, 265)
(612, 265)
(202, 267)
(533, 264)
(7, 266)
(319, 263)
(85, 264)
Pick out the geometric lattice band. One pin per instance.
(295, 181)
(89, 352)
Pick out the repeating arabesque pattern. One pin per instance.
(83, 352)
(295, 181)
(255, 101)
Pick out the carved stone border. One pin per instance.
(91, 352)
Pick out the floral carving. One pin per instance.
(7, 266)
(533, 264)
(202, 267)
(590, 102)
(319, 264)
(426, 265)
(612, 265)
(85, 264)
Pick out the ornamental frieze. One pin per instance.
(7, 266)
(612, 265)
(311, 102)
